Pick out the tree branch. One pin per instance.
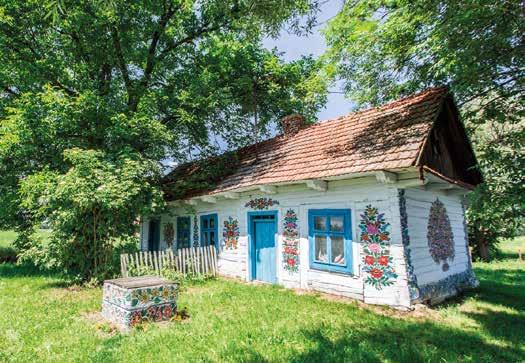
(150, 58)
(121, 62)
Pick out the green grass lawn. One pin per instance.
(41, 319)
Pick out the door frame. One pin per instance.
(251, 242)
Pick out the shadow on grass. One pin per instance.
(11, 270)
(504, 287)
(15, 271)
(421, 342)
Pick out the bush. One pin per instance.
(8, 254)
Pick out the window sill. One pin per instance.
(333, 272)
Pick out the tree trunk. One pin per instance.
(483, 249)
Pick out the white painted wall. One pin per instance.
(353, 194)
(418, 203)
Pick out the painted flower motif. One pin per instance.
(374, 247)
(383, 260)
(376, 273)
(439, 235)
(166, 293)
(230, 233)
(158, 314)
(144, 297)
(372, 229)
(261, 203)
(167, 312)
(136, 318)
(151, 312)
(290, 242)
(375, 237)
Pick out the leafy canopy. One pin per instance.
(384, 49)
(95, 94)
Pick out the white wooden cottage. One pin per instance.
(367, 206)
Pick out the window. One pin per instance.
(183, 232)
(209, 230)
(330, 239)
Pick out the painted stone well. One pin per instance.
(130, 301)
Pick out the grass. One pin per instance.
(41, 319)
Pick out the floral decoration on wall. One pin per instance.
(412, 279)
(439, 235)
(169, 234)
(195, 231)
(230, 233)
(375, 237)
(261, 203)
(290, 242)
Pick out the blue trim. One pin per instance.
(207, 230)
(346, 233)
(251, 239)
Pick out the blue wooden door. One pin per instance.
(264, 255)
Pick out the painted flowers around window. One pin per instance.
(439, 235)
(290, 242)
(230, 233)
(261, 203)
(169, 234)
(195, 231)
(375, 237)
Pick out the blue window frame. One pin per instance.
(330, 237)
(209, 230)
(183, 232)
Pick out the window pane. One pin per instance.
(336, 223)
(320, 223)
(338, 249)
(212, 238)
(212, 223)
(204, 223)
(320, 249)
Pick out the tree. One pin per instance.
(387, 49)
(95, 94)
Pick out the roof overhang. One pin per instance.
(415, 177)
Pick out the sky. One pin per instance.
(294, 47)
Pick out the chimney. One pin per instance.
(291, 124)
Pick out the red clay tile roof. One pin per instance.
(382, 138)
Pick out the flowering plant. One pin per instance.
(375, 237)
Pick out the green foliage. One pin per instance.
(497, 207)
(232, 322)
(188, 279)
(90, 208)
(95, 94)
(387, 49)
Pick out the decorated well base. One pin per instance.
(130, 301)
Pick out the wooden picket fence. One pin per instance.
(193, 260)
